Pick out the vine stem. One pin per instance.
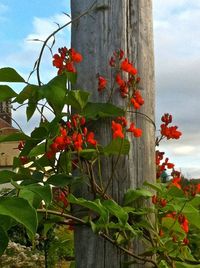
(55, 32)
(64, 215)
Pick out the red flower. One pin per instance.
(117, 130)
(198, 188)
(75, 56)
(128, 67)
(131, 128)
(122, 120)
(102, 82)
(66, 59)
(112, 62)
(90, 139)
(137, 132)
(57, 61)
(163, 202)
(78, 141)
(166, 118)
(186, 241)
(23, 160)
(170, 165)
(154, 199)
(176, 182)
(137, 100)
(184, 224)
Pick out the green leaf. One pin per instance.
(44, 191)
(10, 75)
(65, 163)
(62, 180)
(30, 110)
(155, 186)
(3, 241)
(39, 133)
(131, 195)
(38, 150)
(6, 93)
(5, 222)
(95, 206)
(20, 210)
(116, 210)
(101, 110)
(18, 136)
(175, 192)
(192, 214)
(7, 175)
(55, 92)
(117, 147)
(29, 92)
(77, 99)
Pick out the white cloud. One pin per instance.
(43, 27)
(24, 57)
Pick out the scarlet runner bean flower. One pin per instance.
(169, 132)
(128, 67)
(137, 100)
(90, 139)
(102, 82)
(65, 59)
(73, 136)
(117, 130)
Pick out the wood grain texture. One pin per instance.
(123, 24)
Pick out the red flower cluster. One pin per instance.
(137, 100)
(127, 88)
(192, 189)
(117, 128)
(128, 67)
(137, 132)
(73, 136)
(160, 167)
(66, 60)
(169, 132)
(162, 202)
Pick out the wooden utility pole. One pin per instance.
(114, 24)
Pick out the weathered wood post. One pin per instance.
(114, 24)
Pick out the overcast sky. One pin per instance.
(177, 61)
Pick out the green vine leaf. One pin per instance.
(20, 210)
(55, 92)
(30, 92)
(10, 75)
(117, 147)
(77, 99)
(95, 206)
(101, 110)
(6, 93)
(116, 210)
(131, 195)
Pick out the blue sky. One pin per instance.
(177, 61)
